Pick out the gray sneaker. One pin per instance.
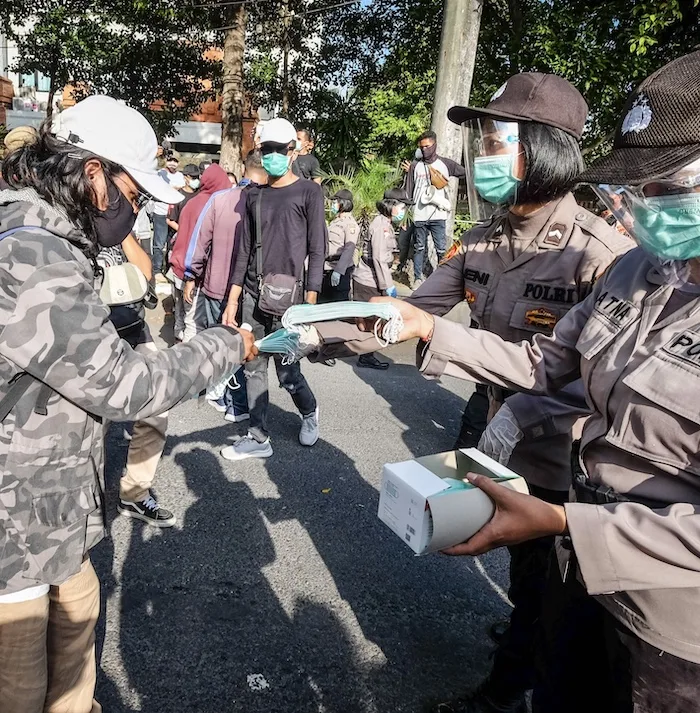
(308, 435)
(416, 284)
(247, 447)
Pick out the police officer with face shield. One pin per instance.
(533, 257)
(619, 617)
(521, 270)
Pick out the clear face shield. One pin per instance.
(491, 154)
(663, 216)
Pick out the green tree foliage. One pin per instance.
(146, 52)
(603, 48)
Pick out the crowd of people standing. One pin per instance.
(582, 334)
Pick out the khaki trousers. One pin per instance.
(47, 649)
(145, 449)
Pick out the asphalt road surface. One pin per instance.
(279, 590)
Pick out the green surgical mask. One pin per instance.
(669, 226)
(335, 208)
(494, 179)
(276, 164)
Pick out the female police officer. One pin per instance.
(64, 371)
(521, 272)
(620, 616)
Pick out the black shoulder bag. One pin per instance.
(277, 292)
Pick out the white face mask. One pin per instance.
(194, 184)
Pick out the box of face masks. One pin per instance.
(430, 506)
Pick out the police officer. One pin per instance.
(521, 271)
(343, 233)
(621, 630)
(372, 276)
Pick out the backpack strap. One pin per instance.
(22, 381)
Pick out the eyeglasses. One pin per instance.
(284, 149)
(142, 200)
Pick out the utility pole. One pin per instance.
(233, 96)
(286, 22)
(460, 38)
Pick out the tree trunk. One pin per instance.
(460, 37)
(52, 80)
(233, 97)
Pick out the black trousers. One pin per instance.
(589, 662)
(341, 293)
(513, 671)
(474, 418)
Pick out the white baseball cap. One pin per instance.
(278, 131)
(112, 130)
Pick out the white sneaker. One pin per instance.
(247, 447)
(308, 435)
(416, 284)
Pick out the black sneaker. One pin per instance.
(369, 361)
(148, 511)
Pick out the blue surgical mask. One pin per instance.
(669, 226)
(398, 218)
(276, 164)
(335, 208)
(194, 184)
(494, 179)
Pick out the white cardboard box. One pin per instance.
(427, 503)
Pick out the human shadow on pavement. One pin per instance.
(431, 413)
(202, 630)
(426, 615)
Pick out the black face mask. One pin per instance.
(115, 223)
(429, 153)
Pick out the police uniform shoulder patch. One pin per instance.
(470, 296)
(455, 249)
(540, 317)
(555, 234)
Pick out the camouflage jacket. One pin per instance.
(54, 326)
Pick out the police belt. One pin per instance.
(588, 492)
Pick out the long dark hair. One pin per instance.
(553, 161)
(56, 171)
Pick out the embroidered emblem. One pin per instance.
(638, 117)
(499, 91)
(555, 234)
(455, 249)
(540, 317)
(470, 296)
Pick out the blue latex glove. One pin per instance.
(335, 278)
(391, 292)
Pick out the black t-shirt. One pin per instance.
(307, 166)
(293, 227)
(176, 208)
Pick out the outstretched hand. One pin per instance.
(518, 518)
(416, 322)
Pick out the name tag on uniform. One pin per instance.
(618, 311)
(476, 276)
(685, 346)
(550, 293)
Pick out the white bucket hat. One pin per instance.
(109, 129)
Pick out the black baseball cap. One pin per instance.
(660, 129)
(191, 170)
(343, 194)
(532, 96)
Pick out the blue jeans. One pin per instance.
(436, 228)
(207, 314)
(160, 238)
